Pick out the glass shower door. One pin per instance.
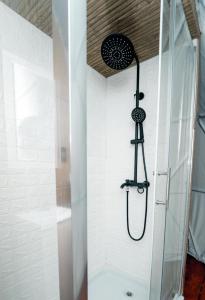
(174, 154)
(179, 157)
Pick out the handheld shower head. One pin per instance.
(138, 115)
(117, 51)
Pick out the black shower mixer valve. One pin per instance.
(132, 183)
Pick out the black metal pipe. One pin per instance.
(137, 79)
(136, 124)
(136, 152)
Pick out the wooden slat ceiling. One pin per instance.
(38, 12)
(138, 19)
(192, 17)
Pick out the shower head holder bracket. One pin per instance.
(137, 141)
(141, 95)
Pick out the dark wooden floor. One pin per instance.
(194, 288)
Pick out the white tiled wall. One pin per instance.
(28, 244)
(111, 161)
(134, 258)
(96, 170)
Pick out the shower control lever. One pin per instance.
(139, 185)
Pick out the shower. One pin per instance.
(118, 53)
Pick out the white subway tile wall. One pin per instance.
(28, 245)
(110, 162)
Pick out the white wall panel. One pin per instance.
(96, 169)
(110, 162)
(133, 258)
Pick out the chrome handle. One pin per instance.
(162, 173)
(165, 173)
(160, 202)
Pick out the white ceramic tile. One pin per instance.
(96, 170)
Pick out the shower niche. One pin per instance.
(142, 68)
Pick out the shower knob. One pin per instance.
(141, 96)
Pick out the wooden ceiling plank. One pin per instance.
(125, 17)
(127, 27)
(116, 8)
(99, 5)
(37, 12)
(147, 32)
(192, 17)
(141, 26)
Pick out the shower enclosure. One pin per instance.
(51, 220)
(151, 268)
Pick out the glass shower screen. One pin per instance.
(174, 154)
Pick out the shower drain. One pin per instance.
(129, 294)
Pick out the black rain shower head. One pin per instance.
(117, 51)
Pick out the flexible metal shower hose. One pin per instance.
(146, 201)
